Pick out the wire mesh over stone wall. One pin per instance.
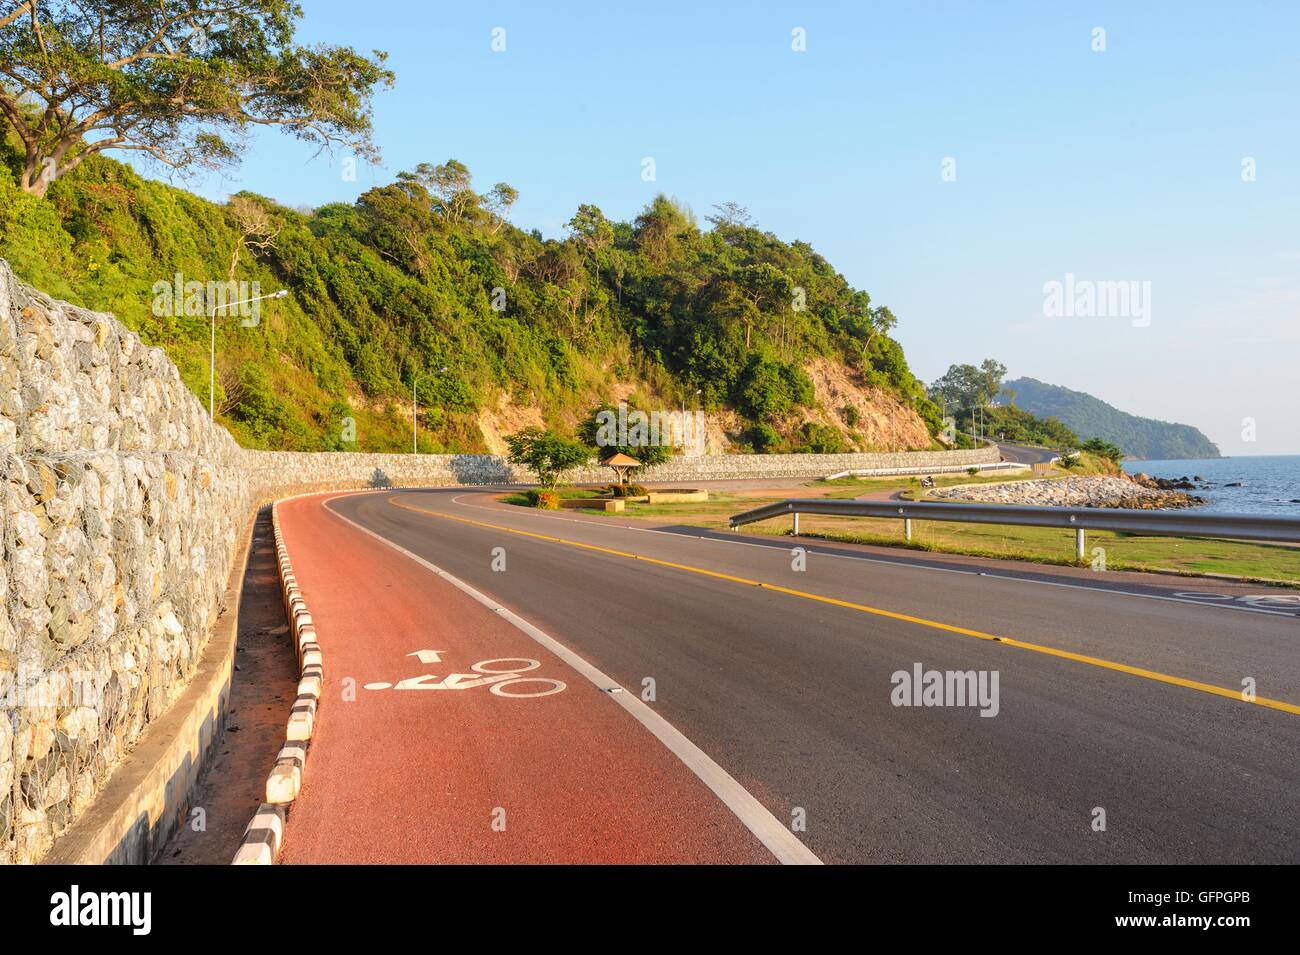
(121, 509)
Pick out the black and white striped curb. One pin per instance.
(265, 834)
(263, 837)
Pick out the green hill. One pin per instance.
(426, 277)
(1091, 417)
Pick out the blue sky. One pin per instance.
(1122, 165)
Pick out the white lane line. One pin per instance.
(778, 840)
(894, 563)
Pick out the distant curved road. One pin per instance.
(1119, 697)
(1023, 454)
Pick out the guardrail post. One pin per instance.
(795, 515)
(907, 528)
(1078, 543)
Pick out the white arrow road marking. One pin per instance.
(427, 656)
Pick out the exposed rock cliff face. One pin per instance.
(879, 420)
(883, 421)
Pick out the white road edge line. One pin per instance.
(779, 840)
(889, 563)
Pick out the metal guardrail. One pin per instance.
(1179, 523)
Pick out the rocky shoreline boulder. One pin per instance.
(1183, 483)
(1095, 491)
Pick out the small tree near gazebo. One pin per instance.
(546, 454)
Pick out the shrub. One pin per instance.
(822, 439)
(931, 414)
(1104, 449)
(258, 405)
(763, 438)
(770, 387)
(628, 490)
(546, 500)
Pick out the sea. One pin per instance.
(1270, 484)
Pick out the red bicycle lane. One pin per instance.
(478, 769)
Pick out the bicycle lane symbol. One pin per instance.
(1274, 601)
(489, 673)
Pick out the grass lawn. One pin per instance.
(1257, 561)
(1261, 561)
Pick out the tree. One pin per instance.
(256, 229)
(234, 387)
(730, 215)
(883, 322)
(590, 433)
(498, 203)
(449, 183)
(546, 454)
(990, 378)
(955, 387)
(757, 288)
(388, 282)
(592, 231)
(658, 227)
(590, 227)
(176, 80)
(965, 387)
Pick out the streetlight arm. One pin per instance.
(248, 301)
(212, 346)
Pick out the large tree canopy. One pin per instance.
(965, 386)
(181, 81)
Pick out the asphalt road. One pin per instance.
(1118, 694)
(1022, 454)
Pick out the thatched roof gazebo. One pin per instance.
(621, 465)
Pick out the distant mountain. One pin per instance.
(1091, 417)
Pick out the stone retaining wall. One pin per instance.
(295, 472)
(122, 510)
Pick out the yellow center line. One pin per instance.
(1226, 692)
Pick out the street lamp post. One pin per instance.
(212, 346)
(415, 427)
(698, 438)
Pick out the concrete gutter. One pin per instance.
(148, 793)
